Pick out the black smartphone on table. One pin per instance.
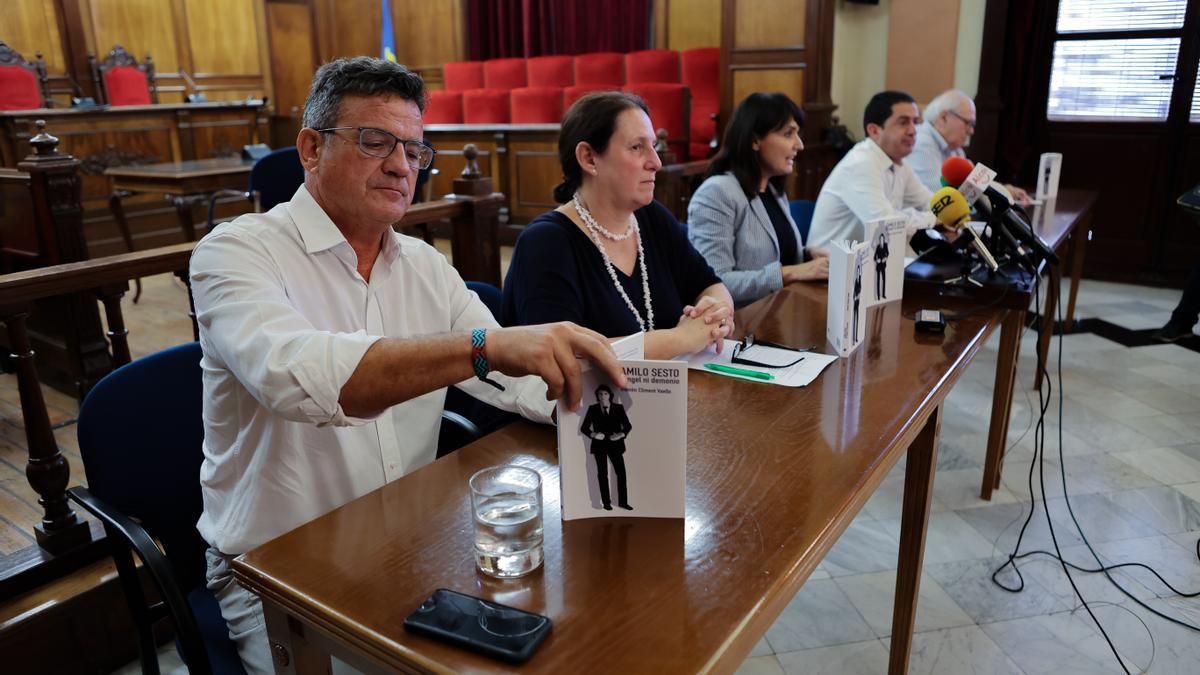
(481, 626)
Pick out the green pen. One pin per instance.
(738, 371)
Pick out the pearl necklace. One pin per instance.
(603, 232)
(597, 233)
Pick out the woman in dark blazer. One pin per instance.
(739, 218)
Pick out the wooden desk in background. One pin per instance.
(184, 184)
(522, 159)
(774, 476)
(105, 137)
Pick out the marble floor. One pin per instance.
(1130, 436)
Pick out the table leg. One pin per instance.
(183, 207)
(118, 213)
(1047, 329)
(291, 652)
(1002, 393)
(1078, 247)
(914, 521)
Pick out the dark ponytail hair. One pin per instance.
(592, 120)
(755, 117)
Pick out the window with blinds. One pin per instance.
(1112, 79)
(1195, 116)
(1085, 16)
(1130, 78)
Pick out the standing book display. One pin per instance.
(624, 452)
(846, 319)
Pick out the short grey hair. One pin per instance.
(948, 100)
(358, 76)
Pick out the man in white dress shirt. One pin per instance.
(873, 181)
(329, 339)
(947, 129)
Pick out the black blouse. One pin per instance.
(557, 274)
(783, 229)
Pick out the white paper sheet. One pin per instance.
(798, 375)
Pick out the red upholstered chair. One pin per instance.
(574, 93)
(669, 109)
(652, 65)
(486, 106)
(445, 107)
(124, 81)
(463, 75)
(551, 71)
(537, 105)
(22, 84)
(702, 75)
(504, 73)
(600, 68)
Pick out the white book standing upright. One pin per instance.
(884, 270)
(1049, 169)
(846, 320)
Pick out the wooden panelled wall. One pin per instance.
(227, 49)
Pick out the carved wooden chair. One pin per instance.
(121, 80)
(23, 84)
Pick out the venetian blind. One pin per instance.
(1112, 79)
(1085, 16)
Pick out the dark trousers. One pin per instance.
(880, 282)
(1188, 311)
(617, 457)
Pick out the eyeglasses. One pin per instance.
(379, 143)
(967, 121)
(765, 354)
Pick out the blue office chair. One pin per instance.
(464, 417)
(802, 213)
(140, 434)
(274, 178)
(490, 295)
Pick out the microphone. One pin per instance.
(953, 212)
(975, 183)
(955, 170)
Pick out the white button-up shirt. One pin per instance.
(927, 156)
(284, 319)
(865, 186)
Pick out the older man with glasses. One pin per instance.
(947, 129)
(329, 339)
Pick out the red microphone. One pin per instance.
(955, 170)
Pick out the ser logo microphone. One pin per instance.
(940, 203)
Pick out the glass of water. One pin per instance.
(506, 502)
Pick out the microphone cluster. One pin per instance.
(969, 185)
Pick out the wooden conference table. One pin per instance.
(774, 476)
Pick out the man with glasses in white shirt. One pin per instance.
(329, 339)
(949, 124)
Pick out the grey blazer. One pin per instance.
(737, 239)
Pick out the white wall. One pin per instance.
(970, 45)
(860, 46)
(860, 43)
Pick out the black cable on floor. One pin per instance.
(1039, 442)
(1038, 459)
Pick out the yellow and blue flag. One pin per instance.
(387, 39)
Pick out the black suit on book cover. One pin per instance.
(603, 421)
